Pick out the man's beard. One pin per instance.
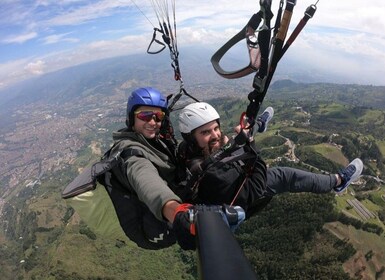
(207, 151)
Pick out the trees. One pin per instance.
(286, 240)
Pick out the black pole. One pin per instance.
(219, 254)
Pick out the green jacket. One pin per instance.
(151, 176)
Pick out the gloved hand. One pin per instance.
(184, 227)
(185, 215)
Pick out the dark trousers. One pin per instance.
(286, 179)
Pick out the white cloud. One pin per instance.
(86, 13)
(14, 71)
(36, 67)
(53, 39)
(20, 38)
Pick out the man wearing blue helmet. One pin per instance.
(149, 175)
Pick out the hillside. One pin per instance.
(41, 238)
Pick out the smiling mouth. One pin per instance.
(150, 128)
(214, 143)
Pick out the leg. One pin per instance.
(286, 179)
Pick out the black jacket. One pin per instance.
(220, 183)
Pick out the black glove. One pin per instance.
(184, 227)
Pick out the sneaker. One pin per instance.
(349, 174)
(264, 119)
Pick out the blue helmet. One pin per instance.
(146, 96)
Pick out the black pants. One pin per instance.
(286, 179)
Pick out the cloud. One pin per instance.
(53, 39)
(20, 38)
(35, 68)
(86, 13)
(14, 71)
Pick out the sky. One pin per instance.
(344, 37)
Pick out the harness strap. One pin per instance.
(216, 58)
(126, 153)
(237, 149)
(264, 36)
(309, 13)
(198, 174)
(163, 46)
(261, 84)
(178, 96)
(280, 37)
(253, 48)
(170, 40)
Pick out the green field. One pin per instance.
(370, 251)
(381, 146)
(331, 152)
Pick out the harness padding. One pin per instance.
(96, 209)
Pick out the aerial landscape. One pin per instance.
(314, 128)
(65, 78)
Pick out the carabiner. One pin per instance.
(243, 121)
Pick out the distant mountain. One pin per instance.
(74, 80)
(196, 69)
(349, 94)
(127, 72)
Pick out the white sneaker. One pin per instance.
(349, 174)
(264, 119)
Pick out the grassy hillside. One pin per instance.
(368, 262)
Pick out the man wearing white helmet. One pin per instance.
(223, 183)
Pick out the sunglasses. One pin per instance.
(149, 115)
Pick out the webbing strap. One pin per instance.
(309, 13)
(178, 96)
(163, 46)
(280, 37)
(206, 166)
(260, 86)
(254, 52)
(236, 149)
(216, 58)
(126, 153)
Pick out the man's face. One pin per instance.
(147, 127)
(208, 136)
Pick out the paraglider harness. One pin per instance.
(113, 211)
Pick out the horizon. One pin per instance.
(194, 76)
(284, 72)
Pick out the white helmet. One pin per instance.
(195, 115)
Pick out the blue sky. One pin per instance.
(40, 36)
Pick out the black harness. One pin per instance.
(135, 218)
